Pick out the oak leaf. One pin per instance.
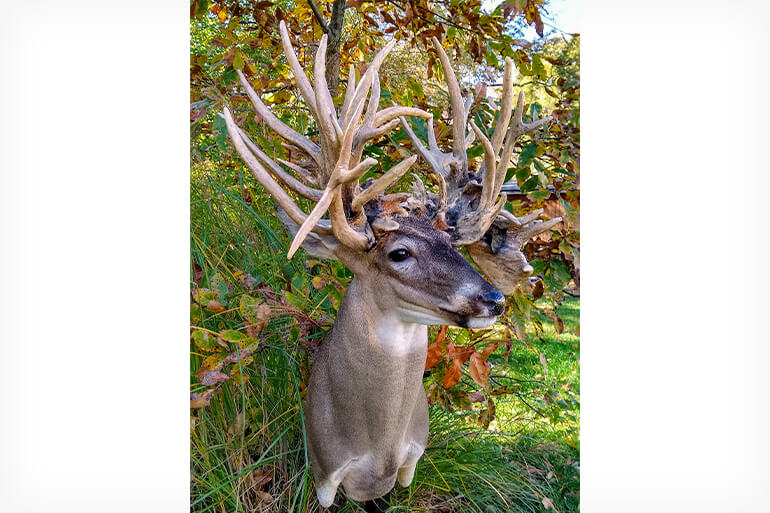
(479, 369)
(436, 349)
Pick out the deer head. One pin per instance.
(386, 239)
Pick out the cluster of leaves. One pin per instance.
(227, 352)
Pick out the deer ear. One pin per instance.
(320, 246)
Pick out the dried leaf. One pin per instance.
(237, 426)
(209, 364)
(213, 377)
(489, 349)
(436, 349)
(260, 477)
(434, 355)
(441, 335)
(477, 396)
(214, 306)
(461, 353)
(246, 280)
(547, 503)
(537, 290)
(543, 363)
(558, 324)
(264, 496)
(452, 375)
(256, 312)
(198, 401)
(479, 369)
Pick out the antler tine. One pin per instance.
(467, 104)
(517, 128)
(366, 80)
(432, 136)
(534, 229)
(488, 193)
(396, 111)
(349, 91)
(506, 107)
(341, 227)
(374, 101)
(327, 116)
(299, 74)
(442, 201)
(304, 175)
(277, 125)
(315, 215)
(431, 156)
(288, 180)
(264, 178)
(458, 108)
(382, 183)
(511, 221)
(501, 128)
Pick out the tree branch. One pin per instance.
(318, 16)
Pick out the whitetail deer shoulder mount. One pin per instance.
(367, 413)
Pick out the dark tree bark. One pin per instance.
(333, 29)
(333, 48)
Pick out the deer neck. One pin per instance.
(377, 328)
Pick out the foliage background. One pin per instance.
(504, 420)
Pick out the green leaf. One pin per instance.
(534, 110)
(221, 128)
(538, 265)
(233, 336)
(530, 185)
(562, 171)
(416, 88)
(219, 286)
(522, 173)
(539, 195)
(475, 151)
(205, 340)
(527, 154)
(248, 307)
(229, 76)
(203, 7)
(238, 60)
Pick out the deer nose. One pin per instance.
(495, 300)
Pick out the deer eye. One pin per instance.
(399, 255)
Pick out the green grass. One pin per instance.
(248, 450)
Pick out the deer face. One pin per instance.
(418, 273)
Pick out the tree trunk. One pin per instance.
(333, 47)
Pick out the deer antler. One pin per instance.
(469, 204)
(336, 158)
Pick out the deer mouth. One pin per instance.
(480, 322)
(468, 321)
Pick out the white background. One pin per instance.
(94, 259)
